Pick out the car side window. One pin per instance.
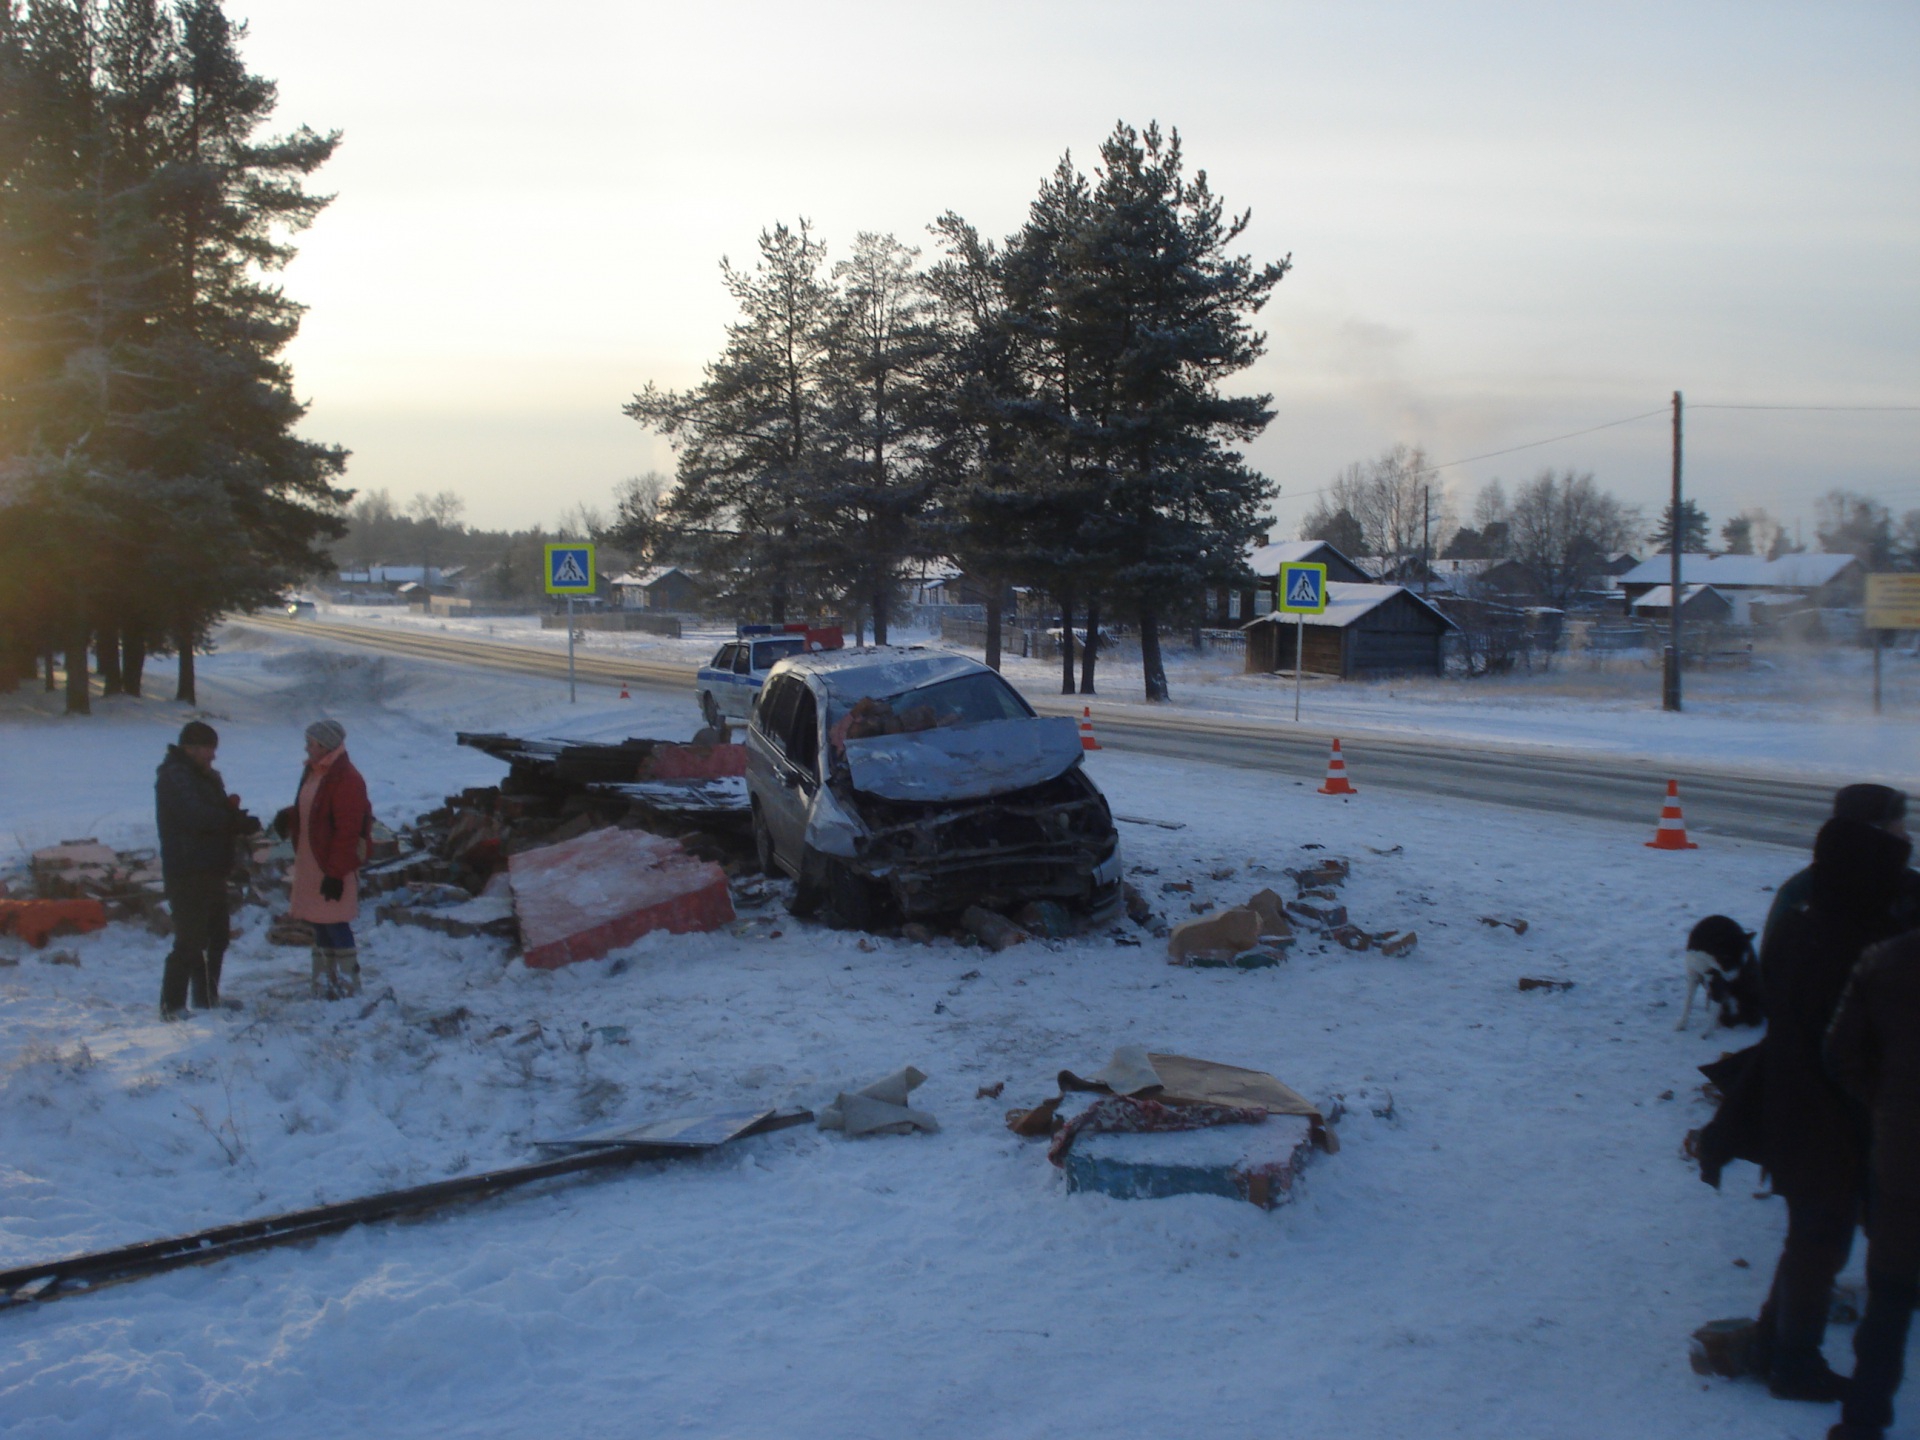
(742, 656)
(724, 660)
(775, 711)
(803, 731)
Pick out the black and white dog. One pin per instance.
(1720, 960)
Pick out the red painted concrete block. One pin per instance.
(583, 897)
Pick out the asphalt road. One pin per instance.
(1725, 802)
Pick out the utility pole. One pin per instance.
(1670, 689)
(1426, 539)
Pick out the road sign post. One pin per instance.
(570, 572)
(1893, 603)
(1300, 591)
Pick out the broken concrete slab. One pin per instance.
(1257, 1163)
(1226, 934)
(584, 897)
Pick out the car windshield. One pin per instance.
(769, 653)
(963, 700)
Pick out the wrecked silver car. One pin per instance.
(894, 781)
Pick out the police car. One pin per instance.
(728, 687)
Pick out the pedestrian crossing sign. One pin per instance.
(1303, 589)
(570, 570)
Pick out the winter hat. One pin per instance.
(327, 734)
(1857, 871)
(1873, 804)
(198, 732)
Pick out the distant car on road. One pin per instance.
(301, 610)
(892, 780)
(728, 687)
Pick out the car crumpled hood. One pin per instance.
(964, 762)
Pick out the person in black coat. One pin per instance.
(198, 821)
(1811, 1134)
(1874, 1051)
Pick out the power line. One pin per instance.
(1692, 406)
(1608, 425)
(1510, 450)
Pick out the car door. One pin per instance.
(738, 696)
(787, 723)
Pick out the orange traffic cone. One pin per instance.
(1672, 834)
(1337, 783)
(1087, 742)
(623, 691)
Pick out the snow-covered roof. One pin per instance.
(1266, 560)
(1349, 600)
(644, 578)
(1747, 572)
(1661, 596)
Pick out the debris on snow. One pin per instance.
(880, 1108)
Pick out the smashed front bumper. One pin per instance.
(1052, 842)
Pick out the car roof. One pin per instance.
(854, 672)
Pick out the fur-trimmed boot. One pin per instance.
(346, 964)
(326, 982)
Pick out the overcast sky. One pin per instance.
(1507, 222)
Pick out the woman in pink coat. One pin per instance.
(330, 823)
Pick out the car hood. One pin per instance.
(964, 762)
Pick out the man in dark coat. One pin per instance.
(198, 821)
(1873, 1050)
(1879, 805)
(1810, 1134)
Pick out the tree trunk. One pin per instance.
(107, 646)
(1091, 652)
(185, 690)
(880, 614)
(79, 696)
(1066, 643)
(133, 660)
(779, 616)
(993, 626)
(1153, 668)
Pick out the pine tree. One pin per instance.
(754, 438)
(1695, 529)
(876, 494)
(1162, 312)
(146, 421)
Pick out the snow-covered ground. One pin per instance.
(1806, 708)
(1517, 1251)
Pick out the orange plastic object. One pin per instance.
(35, 921)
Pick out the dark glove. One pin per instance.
(246, 823)
(283, 822)
(332, 888)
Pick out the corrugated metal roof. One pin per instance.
(1789, 572)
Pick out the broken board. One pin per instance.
(686, 1132)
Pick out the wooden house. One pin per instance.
(1366, 630)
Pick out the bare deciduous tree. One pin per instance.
(1397, 500)
(1563, 526)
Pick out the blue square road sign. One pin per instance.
(1303, 588)
(570, 570)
